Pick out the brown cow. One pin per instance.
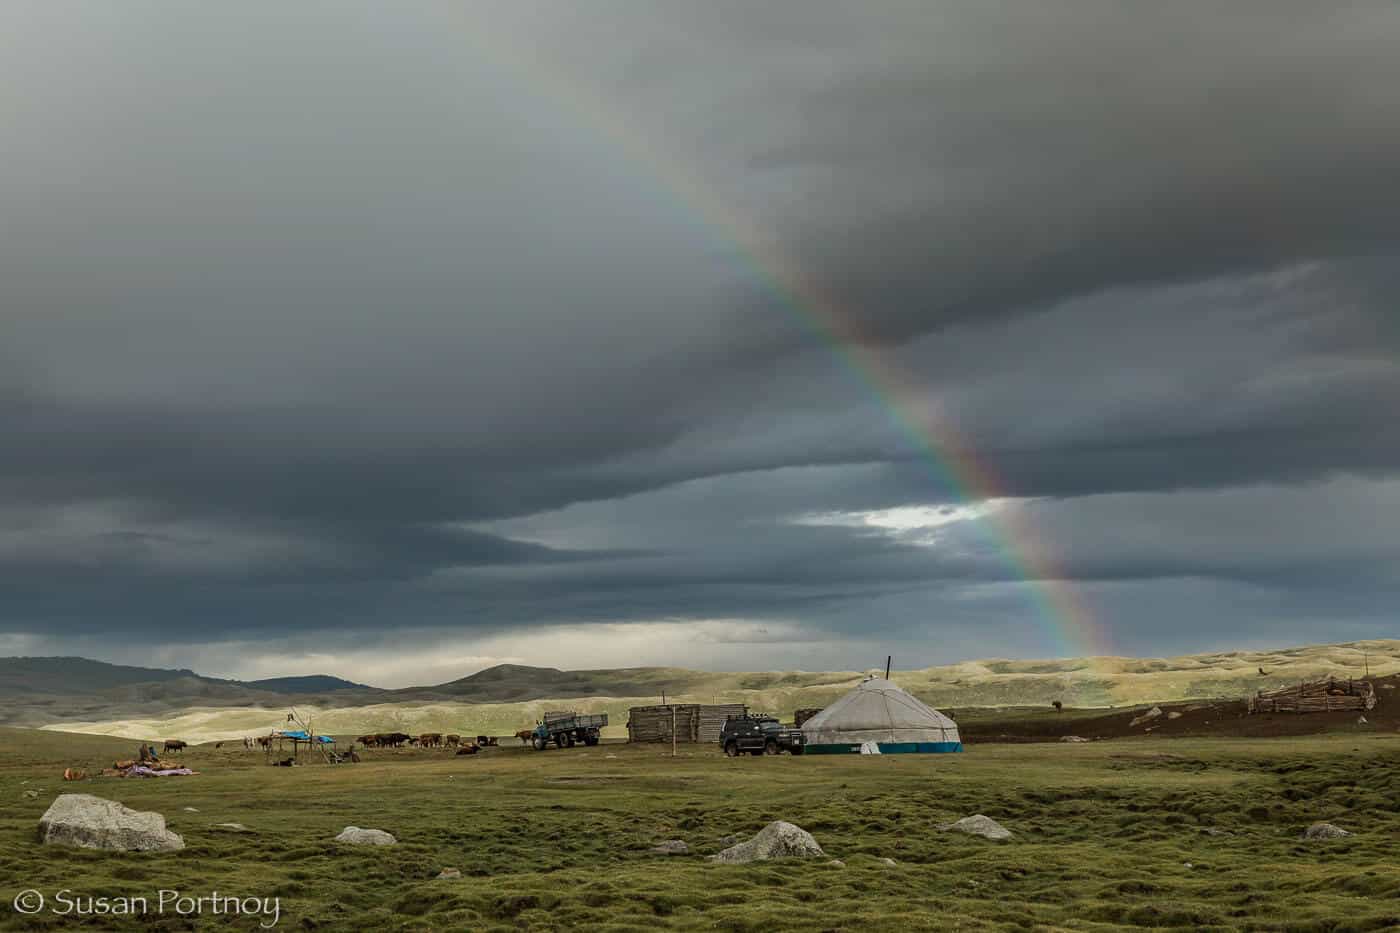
(525, 735)
(264, 742)
(173, 745)
(430, 739)
(452, 740)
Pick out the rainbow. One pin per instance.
(1068, 621)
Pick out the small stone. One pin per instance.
(671, 847)
(1323, 831)
(31, 794)
(889, 862)
(1073, 738)
(1215, 831)
(836, 863)
(1148, 716)
(730, 839)
(1173, 715)
(190, 809)
(233, 827)
(365, 837)
(1187, 865)
(978, 825)
(447, 873)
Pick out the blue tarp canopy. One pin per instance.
(306, 737)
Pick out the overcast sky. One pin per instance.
(398, 340)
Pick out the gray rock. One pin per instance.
(671, 847)
(365, 837)
(233, 827)
(94, 823)
(836, 863)
(1148, 716)
(978, 825)
(449, 873)
(1073, 738)
(776, 840)
(190, 809)
(32, 794)
(888, 862)
(1173, 715)
(1323, 831)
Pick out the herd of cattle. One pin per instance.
(373, 740)
(426, 740)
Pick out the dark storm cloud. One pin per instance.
(945, 162)
(305, 309)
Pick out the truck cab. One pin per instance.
(759, 734)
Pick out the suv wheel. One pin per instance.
(732, 750)
(770, 747)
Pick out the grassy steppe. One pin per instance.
(558, 840)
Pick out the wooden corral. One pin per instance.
(802, 715)
(694, 722)
(1319, 696)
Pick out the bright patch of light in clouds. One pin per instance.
(916, 524)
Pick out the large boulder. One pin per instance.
(776, 840)
(1324, 831)
(978, 825)
(94, 823)
(354, 835)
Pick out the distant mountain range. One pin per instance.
(46, 691)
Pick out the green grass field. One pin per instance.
(559, 839)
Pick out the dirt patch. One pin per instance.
(1220, 717)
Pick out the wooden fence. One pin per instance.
(1320, 696)
(694, 722)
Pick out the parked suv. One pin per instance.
(758, 734)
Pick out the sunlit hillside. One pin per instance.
(1081, 682)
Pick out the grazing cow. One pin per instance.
(218, 744)
(394, 739)
(452, 740)
(247, 742)
(430, 739)
(264, 742)
(173, 745)
(525, 735)
(367, 740)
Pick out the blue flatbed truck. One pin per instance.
(566, 730)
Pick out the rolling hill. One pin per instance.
(501, 699)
